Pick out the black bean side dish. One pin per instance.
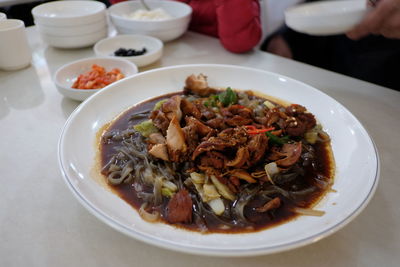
(214, 160)
(123, 52)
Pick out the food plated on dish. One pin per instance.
(215, 160)
(80, 79)
(356, 162)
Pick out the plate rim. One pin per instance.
(240, 252)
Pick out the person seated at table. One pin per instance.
(236, 23)
(368, 52)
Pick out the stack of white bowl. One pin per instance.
(71, 24)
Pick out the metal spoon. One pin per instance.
(145, 5)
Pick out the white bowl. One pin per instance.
(73, 30)
(154, 46)
(357, 162)
(325, 18)
(69, 13)
(165, 30)
(75, 41)
(67, 74)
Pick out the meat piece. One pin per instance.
(272, 117)
(175, 140)
(216, 123)
(172, 108)
(257, 146)
(160, 120)
(308, 119)
(295, 109)
(295, 127)
(206, 113)
(189, 109)
(191, 137)
(242, 155)
(159, 151)
(244, 175)
(237, 120)
(292, 153)
(200, 127)
(270, 205)
(179, 208)
(156, 138)
(198, 85)
(213, 159)
(213, 143)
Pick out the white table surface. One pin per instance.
(42, 224)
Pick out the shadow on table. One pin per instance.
(24, 96)
(68, 106)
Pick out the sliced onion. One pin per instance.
(309, 212)
(271, 169)
(217, 206)
(150, 217)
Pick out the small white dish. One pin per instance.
(327, 17)
(75, 41)
(165, 30)
(108, 46)
(67, 74)
(357, 162)
(69, 13)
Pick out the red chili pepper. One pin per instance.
(253, 130)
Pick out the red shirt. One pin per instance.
(236, 23)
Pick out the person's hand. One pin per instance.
(280, 47)
(384, 19)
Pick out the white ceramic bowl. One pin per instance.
(72, 30)
(357, 162)
(325, 18)
(75, 41)
(154, 46)
(67, 74)
(69, 13)
(165, 30)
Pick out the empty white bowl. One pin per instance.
(325, 18)
(69, 13)
(67, 74)
(165, 30)
(72, 30)
(74, 41)
(154, 47)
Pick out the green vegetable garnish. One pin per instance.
(277, 140)
(146, 128)
(228, 97)
(167, 192)
(158, 105)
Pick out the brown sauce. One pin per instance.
(323, 171)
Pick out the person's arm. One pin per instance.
(239, 26)
(384, 19)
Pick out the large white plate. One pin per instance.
(357, 163)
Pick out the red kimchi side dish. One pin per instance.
(213, 160)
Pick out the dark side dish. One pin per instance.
(214, 160)
(124, 52)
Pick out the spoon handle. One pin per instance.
(145, 5)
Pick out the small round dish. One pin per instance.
(154, 47)
(67, 74)
(325, 18)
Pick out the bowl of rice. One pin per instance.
(166, 20)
